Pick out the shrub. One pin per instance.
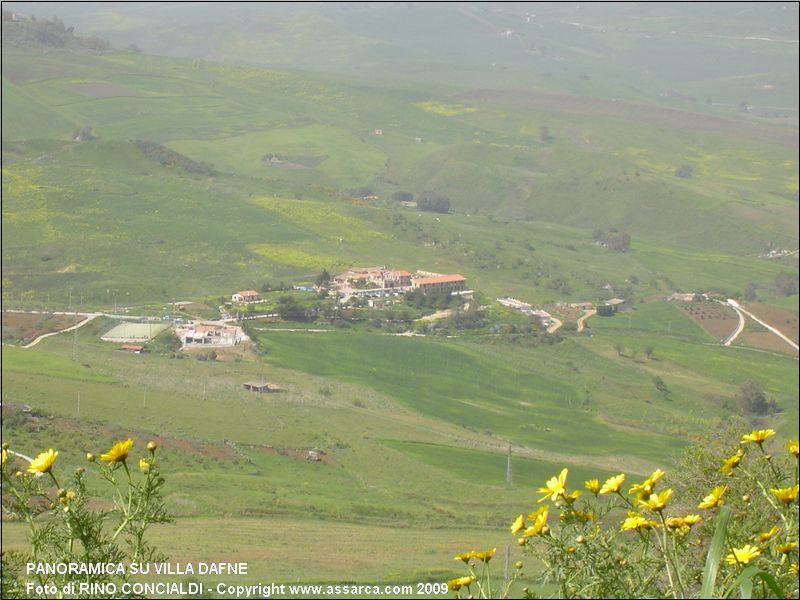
(729, 520)
(64, 529)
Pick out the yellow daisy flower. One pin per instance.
(118, 452)
(793, 447)
(144, 465)
(637, 521)
(5, 457)
(612, 484)
(768, 535)
(714, 498)
(785, 495)
(786, 548)
(484, 556)
(692, 519)
(743, 555)
(44, 462)
(539, 519)
(459, 582)
(731, 463)
(555, 487)
(592, 485)
(656, 502)
(645, 488)
(465, 557)
(758, 436)
(518, 524)
(572, 496)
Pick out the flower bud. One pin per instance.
(80, 471)
(522, 541)
(570, 549)
(19, 474)
(545, 530)
(518, 565)
(6, 445)
(580, 539)
(525, 590)
(152, 446)
(746, 498)
(90, 457)
(62, 493)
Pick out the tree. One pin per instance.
(648, 352)
(402, 196)
(753, 400)
(750, 292)
(323, 279)
(786, 283)
(432, 202)
(290, 309)
(684, 171)
(83, 134)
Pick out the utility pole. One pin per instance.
(508, 468)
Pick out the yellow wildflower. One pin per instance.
(793, 447)
(657, 502)
(731, 463)
(786, 548)
(637, 521)
(44, 462)
(786, 495)
(555, 487)
(459, 582)
(645, 488)
(612, 484)
(675, 522)
(714, 498)
(593, 485)
(743, 555)
(518, 524)
(793, 568)
(758, 436)
(5, 457)
(692, 519)
(466, 556)
(768, 535)
(484, 556)
(572, 496)
(144, 465)
(118, 452)
(539, 519)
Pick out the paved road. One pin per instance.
(739, 327)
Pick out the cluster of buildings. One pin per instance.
(544, 317)
(383, 281)
(197, 334)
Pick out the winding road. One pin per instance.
(586, 315)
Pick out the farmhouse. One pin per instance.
(261, 387)
(618, 304)
(246, 296)
(132, 348)
(452, 283)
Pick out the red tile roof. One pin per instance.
(440, 279)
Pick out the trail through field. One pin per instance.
(89, 317)
(586, 315)
(777, 332)
(555, 326)
(739, 327)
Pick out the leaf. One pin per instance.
(745, 582)
(715, 551)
